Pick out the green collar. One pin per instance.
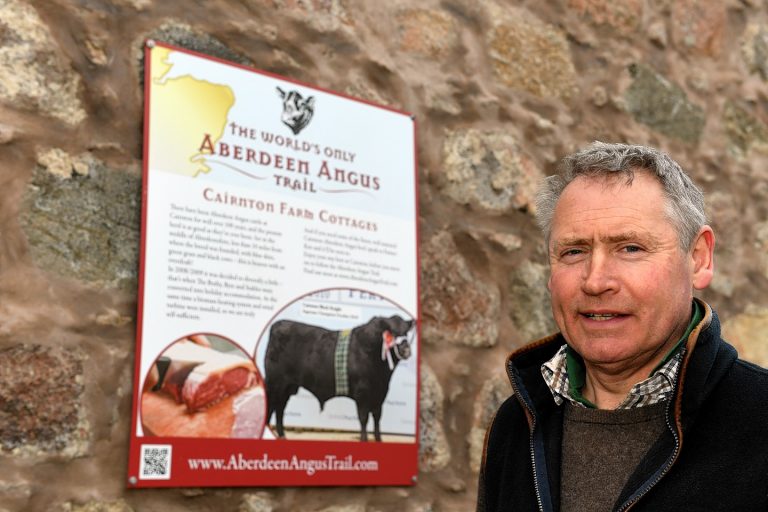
(577, 373)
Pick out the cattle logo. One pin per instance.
(357, 363)
(297, 111)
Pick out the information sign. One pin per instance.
(278, 305)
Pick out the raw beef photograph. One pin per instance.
(203, 385)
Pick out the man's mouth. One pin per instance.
(601, 317)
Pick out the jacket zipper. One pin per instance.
(532, 426)
(535, 474)
(631, 503)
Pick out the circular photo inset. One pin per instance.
(203, 385)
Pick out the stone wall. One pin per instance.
(501, 90)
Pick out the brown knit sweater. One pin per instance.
(601, 448)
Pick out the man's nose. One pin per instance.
(599, 276)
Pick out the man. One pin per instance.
(637, 403)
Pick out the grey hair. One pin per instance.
(685, 202)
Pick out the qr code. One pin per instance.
(155, 462)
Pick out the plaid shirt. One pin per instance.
(656, 388)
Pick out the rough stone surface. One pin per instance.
(7, 133)
(655, 101)
(326, 15)
(599, 96)
(15, 493)
(434, 452)
(509, 241)
(62, 165)
(82, 219)
(657, 34)
(257, 502)
(698, 25)
(748, 332)
(500, 90)
(41, 409)
(421, 506)
(178, 33)
(754, 48)
(744, 130)
(493, 393)
(531, 313)
(343, 508)
(34, 74)
(529, 54)
(97, 506)
(456, 306)
(428, 32)
(488, 170)
(183, 35)
(623, 15)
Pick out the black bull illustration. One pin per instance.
(305, 355)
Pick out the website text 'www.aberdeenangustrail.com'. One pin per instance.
(237, 462)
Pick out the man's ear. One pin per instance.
(703, 258)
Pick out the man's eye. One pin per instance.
(571, 252)
(633, 248)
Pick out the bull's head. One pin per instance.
(297, 111)
(397, 334)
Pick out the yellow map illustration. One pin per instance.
(183, 110)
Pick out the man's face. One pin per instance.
(621, 284)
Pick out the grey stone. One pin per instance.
(655, 101)
(33, 73)
(744, 130)
(457, 307)
(257, 502)
(84, 225)
(41, 409)
(488, 170)
(434, 452)
(183, 35)
(530, 301)
(493, 393)
(180, 34)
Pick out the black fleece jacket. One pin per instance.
(713, 455)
